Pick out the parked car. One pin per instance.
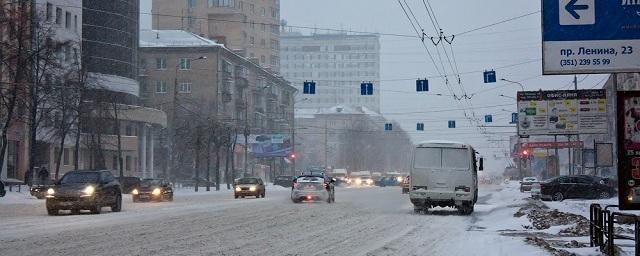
(249, 187)
(85, 190)
(284, 181)
(3, 192)
(153, 190)
(405, 185)
(313, 188)
(527, 183)
(575, 187)
(128, 183)
(535, 191)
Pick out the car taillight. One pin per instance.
(463, 188)
(308, 197)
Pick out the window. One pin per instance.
(185, 63)
(161, 87)
(263, 59)
(128, 163)
(252, 40)
(185, 87)
(222, 3)
(75, 23)
(263, 11)
(193, 3)
(263, 43)
(67, 20)
(455, 158)
(161, 63)
(451, 158)
(59, 16)
(66, 158)
(49, 12)
(114, 163)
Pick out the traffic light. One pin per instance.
(292, 156)
(422, 85)
(309, 87)
(525, 153)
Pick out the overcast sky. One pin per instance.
(503, 45)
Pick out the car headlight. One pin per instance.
(89, 190)
(399, 179)
(252, 188)
(50, 191)
(156, 192)
(238, 189)
(630, 198)
(369, 181)
(358, 181)
(134, 191)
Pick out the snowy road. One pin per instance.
(367, 221)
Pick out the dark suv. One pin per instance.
(580, 186)
(2, 191)
(85, 190)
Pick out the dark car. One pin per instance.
(313, 188)
(153, 190)
(3, 192)
(85, 190)
(284, 181)
(249, 187)
(578, 187)
(128, 184)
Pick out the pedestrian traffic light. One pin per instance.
(420, 127)
(309, 87)
(525, 153)
(422, 85)
(366, 88)
(388, 127)
(489, 77)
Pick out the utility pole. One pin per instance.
(326, 149)
(246, 139)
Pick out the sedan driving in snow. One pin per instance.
(249, 187)
(152, 190)
(84, 190)
(578, 187)
(313, 188)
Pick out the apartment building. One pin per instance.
(338, 63)
(249, 27)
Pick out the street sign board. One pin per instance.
(551, 145)
(562, 112)
(489, 77)
(589, 36)
(628, 110)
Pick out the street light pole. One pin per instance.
(175, 114)
(293, 137)
(517, 126)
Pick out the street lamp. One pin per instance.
(513, 82)
(509, 97)
(175, 108)
(293, 136)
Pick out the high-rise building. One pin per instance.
(249, 27)
(338, 63)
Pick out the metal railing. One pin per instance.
(602, 228)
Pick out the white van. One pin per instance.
(445, 174)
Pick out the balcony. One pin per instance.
(241, 105)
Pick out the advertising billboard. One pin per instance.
(268, 145)
(629, 150)
(562, 112)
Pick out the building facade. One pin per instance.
(249, 27)
(351, 138)
(338, 63)
(198, 81)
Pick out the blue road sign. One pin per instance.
(420, 127)
(452, 124)
(422, 85)
(514, 118)
(309, 88)
(366, 89)
(388, 127)
(488, 119)
(489, 77)
(589, 36)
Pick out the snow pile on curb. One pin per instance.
(543, 218)
(547, 246)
